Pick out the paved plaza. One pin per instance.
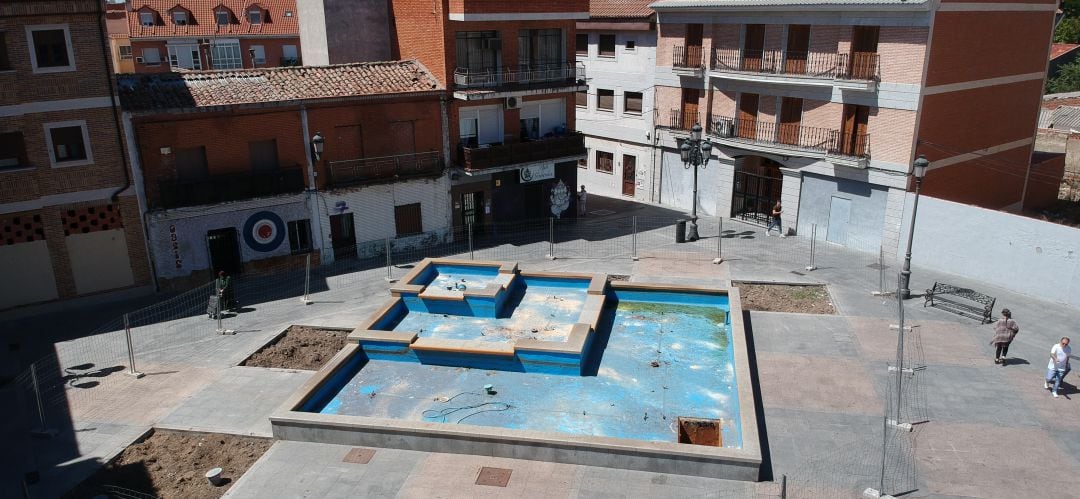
(990, 430)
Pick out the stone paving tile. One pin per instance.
(816, 383)
(969, 394)
(940, 342)
(804, 334)
(1053, 413)
(980, 460)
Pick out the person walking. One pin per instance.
(226, 293)
(1005, 330)
(582, 196)
(1059, 366)
(774, 220)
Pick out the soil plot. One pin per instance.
(812, 299)
(301, 347)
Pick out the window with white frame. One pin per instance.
(185, 56)
(605, 99)
(180, 17)
(124, 51)
(605, 162)
(539, 119)
(226, 55)
(300, 236)
(632, 102)
(50, 48)
(69, 143)
(223, 17)
(147, 18)
(151, 56)
(258, 54)
(255, 15)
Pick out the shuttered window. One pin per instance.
(605, 99)
(632, 102)
(407, 220)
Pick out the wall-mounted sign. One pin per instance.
(264, 231)
(174, 241)
(536, 173)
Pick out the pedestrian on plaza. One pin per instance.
(1059, 366)
(1004, 331)
(774, 220)
(582, 196)
(226, 293)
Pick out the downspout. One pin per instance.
(106, 53)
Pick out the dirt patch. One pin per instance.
(785, 298)
(301, 347)
(174, 464)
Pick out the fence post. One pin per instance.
(131, 351)
(719, 243)
(633, 242)
(881, 274)
(42, 430)
(471, 255)
(389, 263)
(307, 281)
(813, 247)
(551, 238)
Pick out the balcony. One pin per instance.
(688, 61)
(839, 70)
(518, 81)
(384, 169)
(230, 187)
(498, 155)
(679, 120)
(792, 139)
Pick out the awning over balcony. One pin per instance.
(501, 157)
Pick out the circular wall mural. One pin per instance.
(264, 231)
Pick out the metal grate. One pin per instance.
(496, 477)
(359, 455)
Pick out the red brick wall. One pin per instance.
(978, 45)
(993, 181)
(1045, 181)
(418, 34)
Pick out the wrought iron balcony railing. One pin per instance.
(384, 168)
(691, 57)
(519, 76)
(839, 66)
(229, 187)
(488, 156)
(791, 136)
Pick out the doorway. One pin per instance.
(472, 210)
(790, 120)
(629, 175)
(853, 137)
(798, 46)
(864, 45)
(689, 113)
(693, 39)
(758, 183)
(753, 47)
(747, 120)
(224, 248)
(839, 216)
(343, 236)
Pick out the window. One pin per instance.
(5, 63)
(179, 17)
(607, 45)
(258, 54)
(12, 151)
(288, 56)
(632, 102)
(226, 55)
(582, 98)
(147, 18)
(151, 56)
(605, 99)
(407, 220)
(125, 52)
(50, 48)
(69, 143)
(581, 44)
(184, 56)
(300, 236)
(255, 16)
(583, 163)
(631, 45)
(540, 48)
(223, 18)
(478, 51)
(605, 162)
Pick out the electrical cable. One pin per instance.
(443, 413)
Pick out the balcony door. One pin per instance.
(747, 120)
(541, 52)
(790, 120)
(853, 135)
(864, 44)
(798, 46)
(753, 47)
(688, 115)
(480, 125)
(693, 40)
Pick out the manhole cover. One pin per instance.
(359, 455)
(496, 477)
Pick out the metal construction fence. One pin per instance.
(81, 378)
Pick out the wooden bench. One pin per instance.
(963, 301)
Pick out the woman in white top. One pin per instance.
(1059, 365)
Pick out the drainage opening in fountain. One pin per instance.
(698, 431)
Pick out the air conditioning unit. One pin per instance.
(139, 60)
(493, 43)
(512, 103)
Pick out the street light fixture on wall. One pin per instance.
(317, 145)
(919, 171)
(695, 153)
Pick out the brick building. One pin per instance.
(69, 221)
(826, 108)
(156, 36)
(228, 171)
(509, 68)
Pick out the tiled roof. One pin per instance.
(1062, 118)
(719, 4)
(277, 20)
(1060, 49)
(1053, 101)
(620, 9)
(197, 89)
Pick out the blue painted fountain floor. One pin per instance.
(544, 313)
(472, 277)
(657, 364)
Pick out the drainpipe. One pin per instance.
(106, 52)
(140, 190)
(313, 192)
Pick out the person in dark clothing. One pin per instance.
(226, 292)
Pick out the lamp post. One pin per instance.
(695, 153)
(318, 143)
(919, 170)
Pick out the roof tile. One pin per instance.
(620, 9)
(204, 22)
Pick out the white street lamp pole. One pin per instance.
(919, 171)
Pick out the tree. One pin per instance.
(1067, 80)
(1068, 31)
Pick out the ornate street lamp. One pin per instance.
(695, 153)
(919, 171)
(317, 145)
